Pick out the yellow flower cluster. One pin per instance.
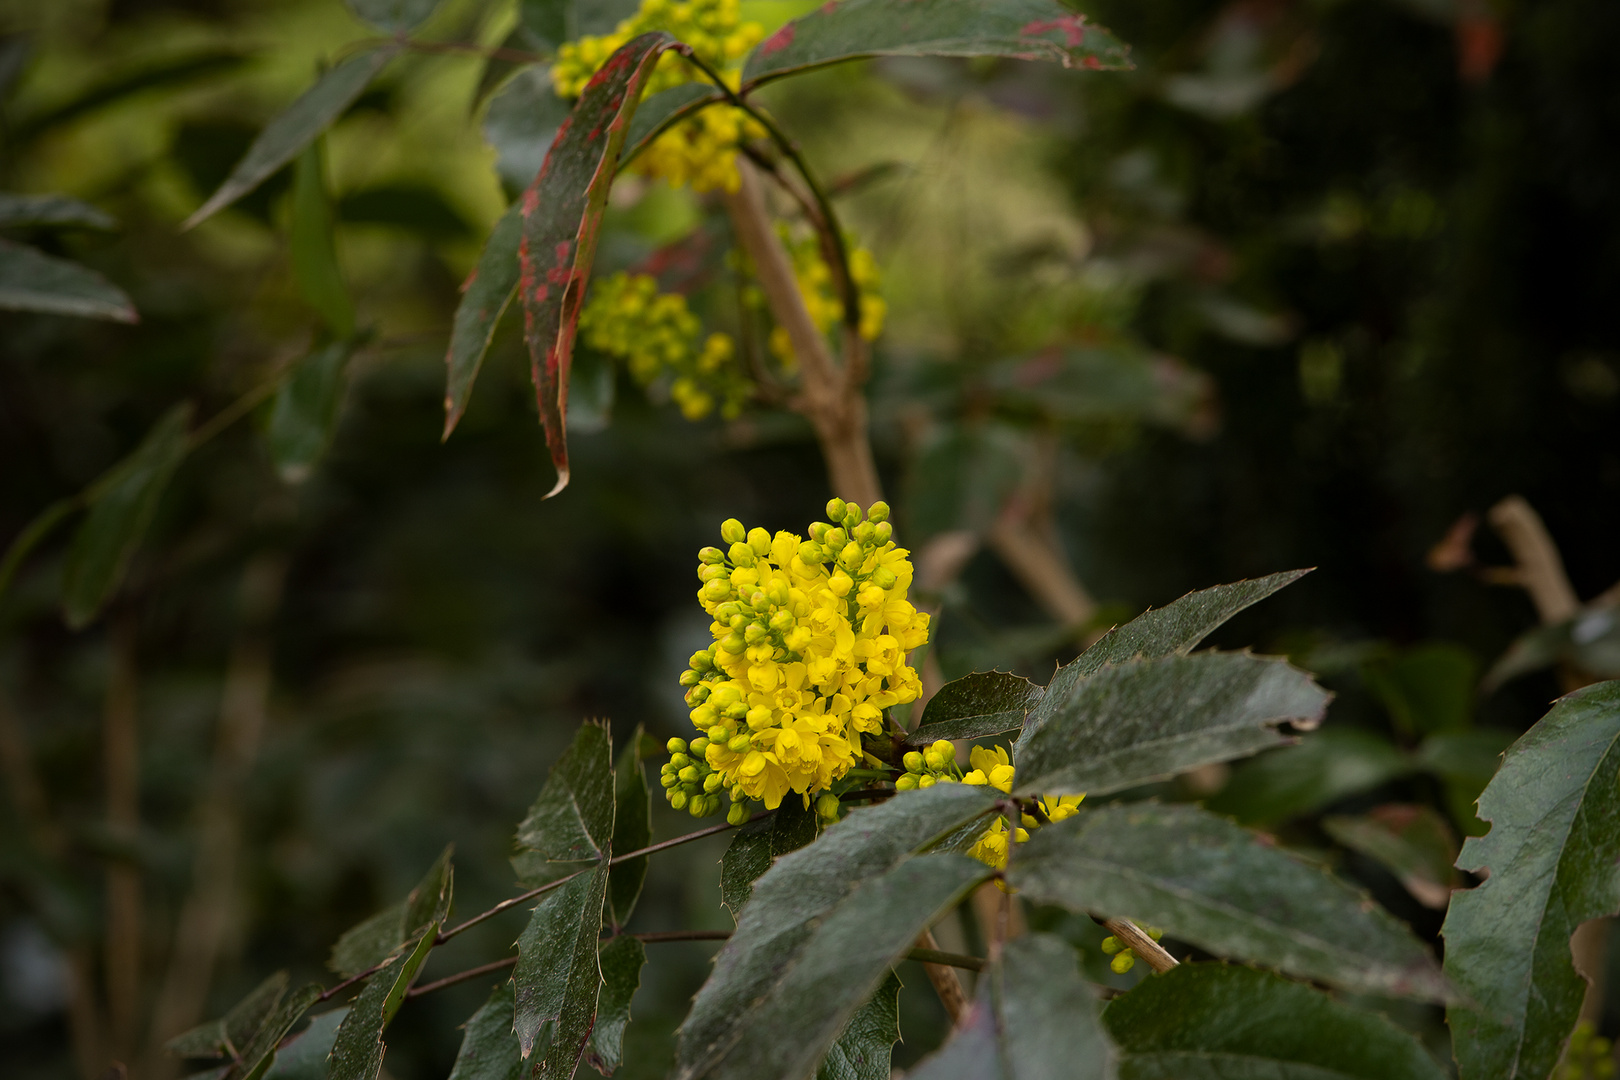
(989, 767)
(810, 644)
(821, 298)
(657, 334)
(701, 150)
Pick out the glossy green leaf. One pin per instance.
(1413, 842)
(632, 830)
(259, 1052)
(572, 819)
(20, 211)
(374, 940)
(1554, 811)
(981, 704)
(1150, 719)
(393, 16)
(1224, 889)
(122, 503)
(558, 976)
(1323, 768)
(485, 296)
(851, 29)
(759, 843)
(31, 280)
(521, 123)
(304, 1057)
(489, 1049)
(313, 243)
(304, 416)
(290, 132)
(358, 1049)
(1236, 1023)
(800, 892)
(562, 218)
(864, 1049)
(1173, 630)
(621, 959)
(663, 110)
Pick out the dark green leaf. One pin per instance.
(260, 1051)
(122, 503)
(357, 1051)
(558, 976)
(804, 890)
(562, 217)
(572, 819)
(863, 1051)
(287, 135)
(759, 843)
(973, 1052)
(393, 16)
(489, 1050)
(226, 1036)
(1427, 689)
(522, 121)
(1151, 719)
(1224, 889)
(204, 1040)
(1412, 842)
(850, 29)
(1235, 1023)
(1554, 811)
(313, 244)
(981, 704)
(1175, 629)
(304, 417)
(369, 943)
(1466, 761)
(663, 110)
(621, 960)
(632, 830)
(1325, 767)
(485, 296)
(52, 210)
(304, 1058)
(430, 901)
(31, 280)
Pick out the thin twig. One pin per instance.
(943, 976)
(661, 936)
(1143, 944)
(461, 977)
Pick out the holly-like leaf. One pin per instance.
(977, 705)
(1218, 886)
(289, 133)
(122, 503)
(489, 1049)
(1173, 630)
(485, 296)
(558, 976)
(572, 819)
(54, 211)
(864, 1049)
(1035, 1019)
(562, 217)
(374, 940)
(304, 417)
(313, 243)
(1554, 811)
(632, 830)
(304, 1056)
(1220, 1020)
(1152, 719)
(1413, 842)
(521, 123)
(393, 16)
(226, 1036)
(851, 29)
(1324, 767)
(759, 843)
(358, 1049)
(621, 959)
(259, 1052)
(31, 280)
(767, 965)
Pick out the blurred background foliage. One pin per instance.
(1314, 281)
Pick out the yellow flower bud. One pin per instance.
(740, 744)
(737, 815)
(1122, 963)
(732, 531)
(690, 678)
(840, 584)
(905, 782)
(719, 734)
(676, 746)
(913, 761)
(711, 556)
(882, 533)
(945, 749)
(741, 554)
(712, 781)
(827, 806)
(759, 540)
(677, 799)
(925, 781)
(1111, 945)
(878, 512)
(835, 509)
(679, 758)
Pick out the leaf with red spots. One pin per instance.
(562, 217)
(851, 29)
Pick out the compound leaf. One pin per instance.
(621, 959)
(31, 280)
(358, 1049)
(369, 943)
(558, 976)
(864, 1049)
(572, 819)
(632, 830)
(489, 1049)
(977, 705)
(756, 845)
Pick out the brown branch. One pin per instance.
(461, 977)
(1144, 945)
(1541, 569)
(947, 984)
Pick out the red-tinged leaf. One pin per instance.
(562, 217)
(851, 29)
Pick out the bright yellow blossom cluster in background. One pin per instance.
(700, 151)
(989, 767)
(821, 297)
(810, 643)
(658, 335)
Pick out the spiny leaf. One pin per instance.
(304, 417)
(558, 976)
(562, 217)
(31, 280)
(393, 16)
(1150, 719)
(489, 1049)
(632, 830)
(1554, 810)
(260, 1051)
(572, 819)
(226, 1036)
(357, 1051)
(756, 845)
(1218, 886)
(521, 123)
(296, 128)
(313, 243)
(850, 29)
(1236, 1023)
(304, 1057)
(122, 503)
(801, 891)
(977, 705)
(621, 959)
(57, 211)
(374, 940)
(864, 1049)
(485, 296)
